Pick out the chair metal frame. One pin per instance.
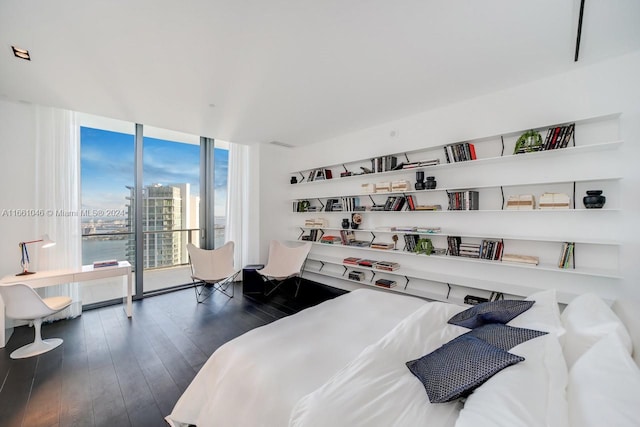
(218, 277)
(276, 272)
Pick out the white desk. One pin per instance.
(42, 279)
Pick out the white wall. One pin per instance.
(599, 89)
(17, 175)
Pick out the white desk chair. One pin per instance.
(212, 267)
(284, 262)
(23, 303)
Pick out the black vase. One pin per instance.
(419, 185)
(345, 223)
(431, 183)
(594, 199)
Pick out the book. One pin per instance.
(381, 245)
(351, 260)
(386, 265)
(385, 283)
(520, 259)
(366, 263)
(105, 263)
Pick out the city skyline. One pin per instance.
(107, 167)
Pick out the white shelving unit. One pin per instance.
(495, 175)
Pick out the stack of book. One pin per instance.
(521, 202)
(464, 200)
(351, 260)
(520, 259)
(384, 163)
(394, 203)
(385, 283)
(469, 250)
(319, 174)
(333, 205)
(554, 201)
(383, 187)
(428, 208)
(453, 243)
(459, 152)
(347, 237)
(332, 240)
(400, 186)
(366, 263)
(386, 265)
(491, 249)
(315, 223)
(566, 256)
(351, 203)
(558, 137)
(356, 275)
(382, 245)
(313, 235)
(411, 242)
(428, 230)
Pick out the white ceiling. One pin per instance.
(295, 71)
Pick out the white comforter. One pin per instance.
(257, 378)
(377, 389)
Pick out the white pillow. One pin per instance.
(544, 315)
(530, 393)
(603, 386)
(586, 320)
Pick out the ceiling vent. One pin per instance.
(281, 144)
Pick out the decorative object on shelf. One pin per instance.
(594, 199)
(424, 246)
(345, 223)
(554, 201)
(294, 180)
(528, 142)
(46, 243)
(356, 220)
(395, 241)
(419, 185)
(430, 183)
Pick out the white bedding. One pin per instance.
(343, 363)
(377, 389)
(257, 378)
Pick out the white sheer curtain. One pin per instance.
(238, 203)
(58, 193)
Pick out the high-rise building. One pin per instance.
(167, 210)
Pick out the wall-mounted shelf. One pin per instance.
(588, 163)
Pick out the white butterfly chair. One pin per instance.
(214, 268)
(22, 302)
(284, 262)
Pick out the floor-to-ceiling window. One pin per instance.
(169, 202)
(220, 185)
(106, 163)
(170, 206)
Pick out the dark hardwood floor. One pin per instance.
(115, 371)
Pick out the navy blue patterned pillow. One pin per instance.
(500, 311)
(459, 367)
(502, 336)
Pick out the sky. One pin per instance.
(107, 167)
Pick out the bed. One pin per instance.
(344, 363)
